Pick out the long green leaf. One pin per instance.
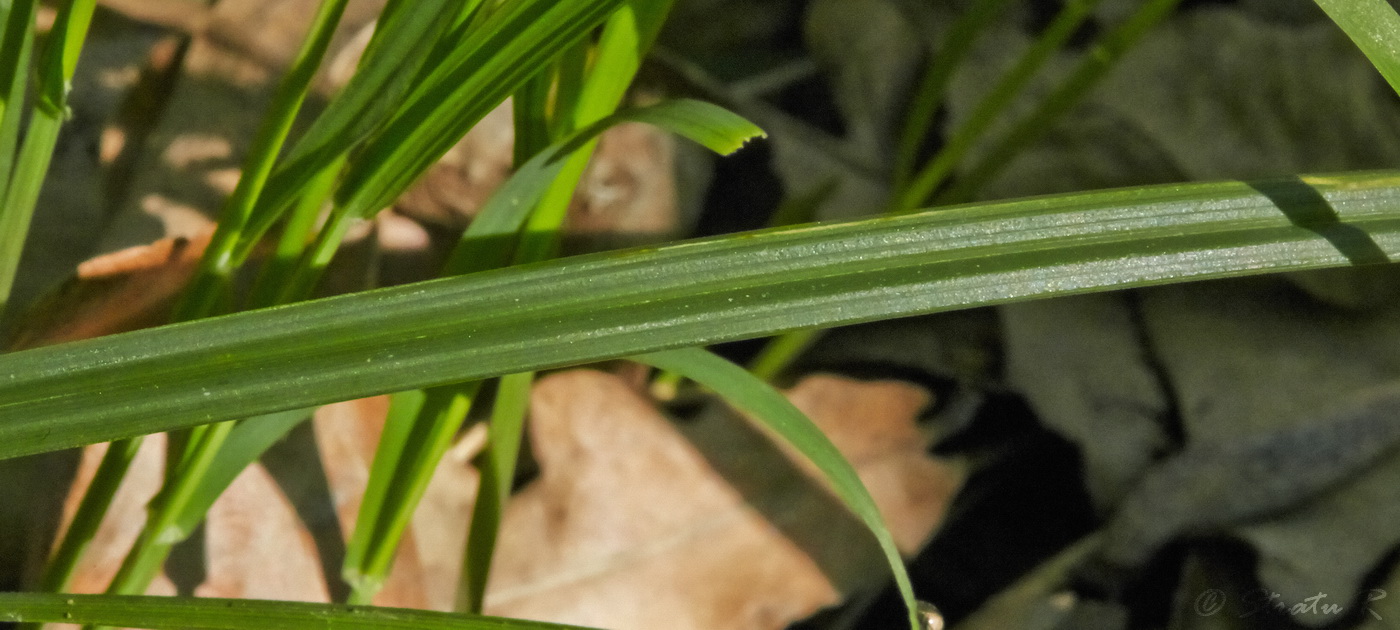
(1375, 28)
(245, 444)
(766, 405)
(484, 244)
(1001, 96)
(582, 309)
(183, 613)
(399, 50)
(467, 75)
(504, 52)
(46, 115)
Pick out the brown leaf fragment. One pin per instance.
(257, 548)
(182, 15)
(117, 292)
(631, 525)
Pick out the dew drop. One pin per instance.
(929, 616)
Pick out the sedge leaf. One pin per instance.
(484, 244)
(752, 395)
(248, 440)
(1375, 28)
(180, 613)
(587, 308)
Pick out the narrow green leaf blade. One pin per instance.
(489, 65)
(714, 127)
(245, 444)
(1375, 28)
(750, 394)
(181, 613)
(400, 48)
(486, 242)
(588, 308)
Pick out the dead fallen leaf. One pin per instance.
(117, 292)
(632, 525)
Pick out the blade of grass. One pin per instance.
(530, 110)
(16, 53)
(403, 43)
(55, 76)
(211, 279)
(403, 409)
(298, 233)
(500, 56)
(616, 304)
(497, 468)
(778, 352)
(1095, 64)
(625, 40)
(58, 573)
(190, 456)
(928, 97)
(535, 124)
(180, 613)
(1002, 95)
(486, 242)
(1374, 27)
(484, 245)
(248, 440)
(771, 409)
(425, 444)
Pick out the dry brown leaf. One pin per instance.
(117, 292)
(631, 524)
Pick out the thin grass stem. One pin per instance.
(1003, 94)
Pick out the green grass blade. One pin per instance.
(245, 444)
(1096, 63)
(185, 613)
(207, 288)
(444, 408)
(16, 53)
(594, 307)
(766, 405)
(487, 242)
(1001, 96)
(497, 473)
(403, 408)
(1375, 28)
(493, 62)
(55, 78)
(398, 51)
(530, 111)
(928, 97)
(58, 573)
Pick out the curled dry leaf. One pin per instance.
(638, 523)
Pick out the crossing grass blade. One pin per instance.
(587, 308)
(182, 613)
(766, 405)
(485, 244)
(1374, 26)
